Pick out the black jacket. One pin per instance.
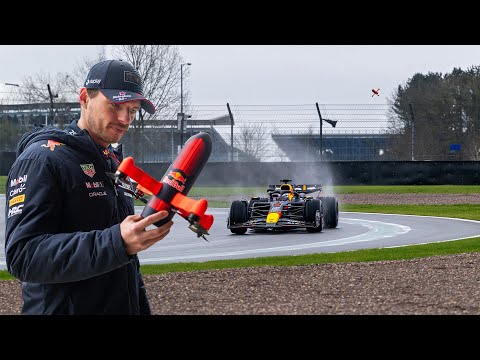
(62, 236)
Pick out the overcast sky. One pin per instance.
(270, 74)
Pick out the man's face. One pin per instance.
(106, 121)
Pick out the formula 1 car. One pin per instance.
(288, 206)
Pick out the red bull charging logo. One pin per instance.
(175, 179)
(51, 144)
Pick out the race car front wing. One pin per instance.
(281, 223)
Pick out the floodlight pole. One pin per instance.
(51, 101)
(321, 132)
(182, 121)
(331, 122)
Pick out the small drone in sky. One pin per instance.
(375, 92)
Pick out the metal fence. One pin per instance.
(281, 133)
(299, 132)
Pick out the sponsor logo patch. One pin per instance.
(97, 193)
(16, 200)
(21, 179)
(17, 190)
(88, 169)
(176, 175)
(93, 81)
(173, 183)
(125, 186)
(131, 77)
(122, 96)
(14, 211)
(51, 144)
(94, 184)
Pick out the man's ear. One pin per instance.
(83, 97)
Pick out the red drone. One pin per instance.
(375, 92)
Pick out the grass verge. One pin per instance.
(407, 252)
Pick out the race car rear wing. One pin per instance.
(303, 188)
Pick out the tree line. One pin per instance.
(437, 116)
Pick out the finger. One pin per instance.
(153, 218)
(159, 236)
(135, 218)
(150, 237)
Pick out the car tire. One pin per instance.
(313, 208)
(330, 206)
(238, 215)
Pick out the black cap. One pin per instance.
(119, 81)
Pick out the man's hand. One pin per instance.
(135, 236)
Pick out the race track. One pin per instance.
(354, 231)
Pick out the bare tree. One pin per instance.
(159, 67)
(45, 88)
(9, 94)
(76, 80)
(34, 88)
(252, 140)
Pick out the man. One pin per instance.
(71, 234)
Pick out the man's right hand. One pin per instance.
(135, 235)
